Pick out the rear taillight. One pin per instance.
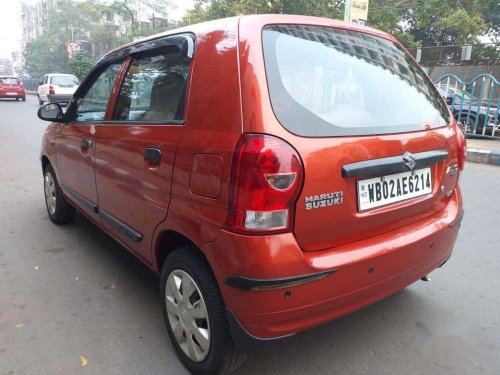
(462, 149)
(266, 177)
(51, 90)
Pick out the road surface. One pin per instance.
(70, 292)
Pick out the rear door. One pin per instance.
(136, 147)
(370, 128)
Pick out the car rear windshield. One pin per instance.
(64, 80)
(328, 82)
(9, 81)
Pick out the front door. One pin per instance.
(136, 148)
(76, 141)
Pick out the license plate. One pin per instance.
(12, 93)
(384, 190)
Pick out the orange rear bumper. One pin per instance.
(367, 271)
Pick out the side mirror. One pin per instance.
(40, 82)
(51, 112)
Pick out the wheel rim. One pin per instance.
(187, 315)
(465, 125)
(50, 193)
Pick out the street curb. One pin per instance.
(491, 157)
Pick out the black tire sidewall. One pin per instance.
(220, 342)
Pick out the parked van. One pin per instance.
(276, 171)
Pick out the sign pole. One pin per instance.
(347, 11)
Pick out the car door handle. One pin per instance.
(86, 143)
(153, 155)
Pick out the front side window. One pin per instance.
(153, 89)
(92, 105)
(327, 82)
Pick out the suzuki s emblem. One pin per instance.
(410, 160)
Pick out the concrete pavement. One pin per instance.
(485, 151)
(70, 291)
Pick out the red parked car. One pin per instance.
(12, 87)
(277, 172)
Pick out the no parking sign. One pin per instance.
(72, 47)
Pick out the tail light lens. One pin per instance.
(462, 149)
(51, 90)
(266, 178)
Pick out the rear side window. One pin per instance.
(64, 81)
(328, 82)
(9, 81)
(153, 89)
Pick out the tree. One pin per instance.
(205, 10)
(45, 54)
(413, 22)
(437, 22)
(81, 63)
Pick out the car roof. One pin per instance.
(231, 24)
(9, 77)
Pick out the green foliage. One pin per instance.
(81, 63)
(414, 22)
(451, 22)
(44, 55)
(205, 10)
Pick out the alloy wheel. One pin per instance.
(187, 315)
(466, 126)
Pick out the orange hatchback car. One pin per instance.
(276, 171)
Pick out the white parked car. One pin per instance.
(57, 88)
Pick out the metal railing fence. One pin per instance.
(485, 53)
(30, 84)
(475, 104)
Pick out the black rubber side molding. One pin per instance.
(81, 199)
(118, 224)
(121, 226)
(245, 283)
(394, 164)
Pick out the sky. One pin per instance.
(10, 25)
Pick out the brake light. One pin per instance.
(462, 149)
(51, 90)
(266, 177)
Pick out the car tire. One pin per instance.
(24, 98)
(58, 208)
(203, 310)
(40, 101)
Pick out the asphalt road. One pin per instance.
(69, 292)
